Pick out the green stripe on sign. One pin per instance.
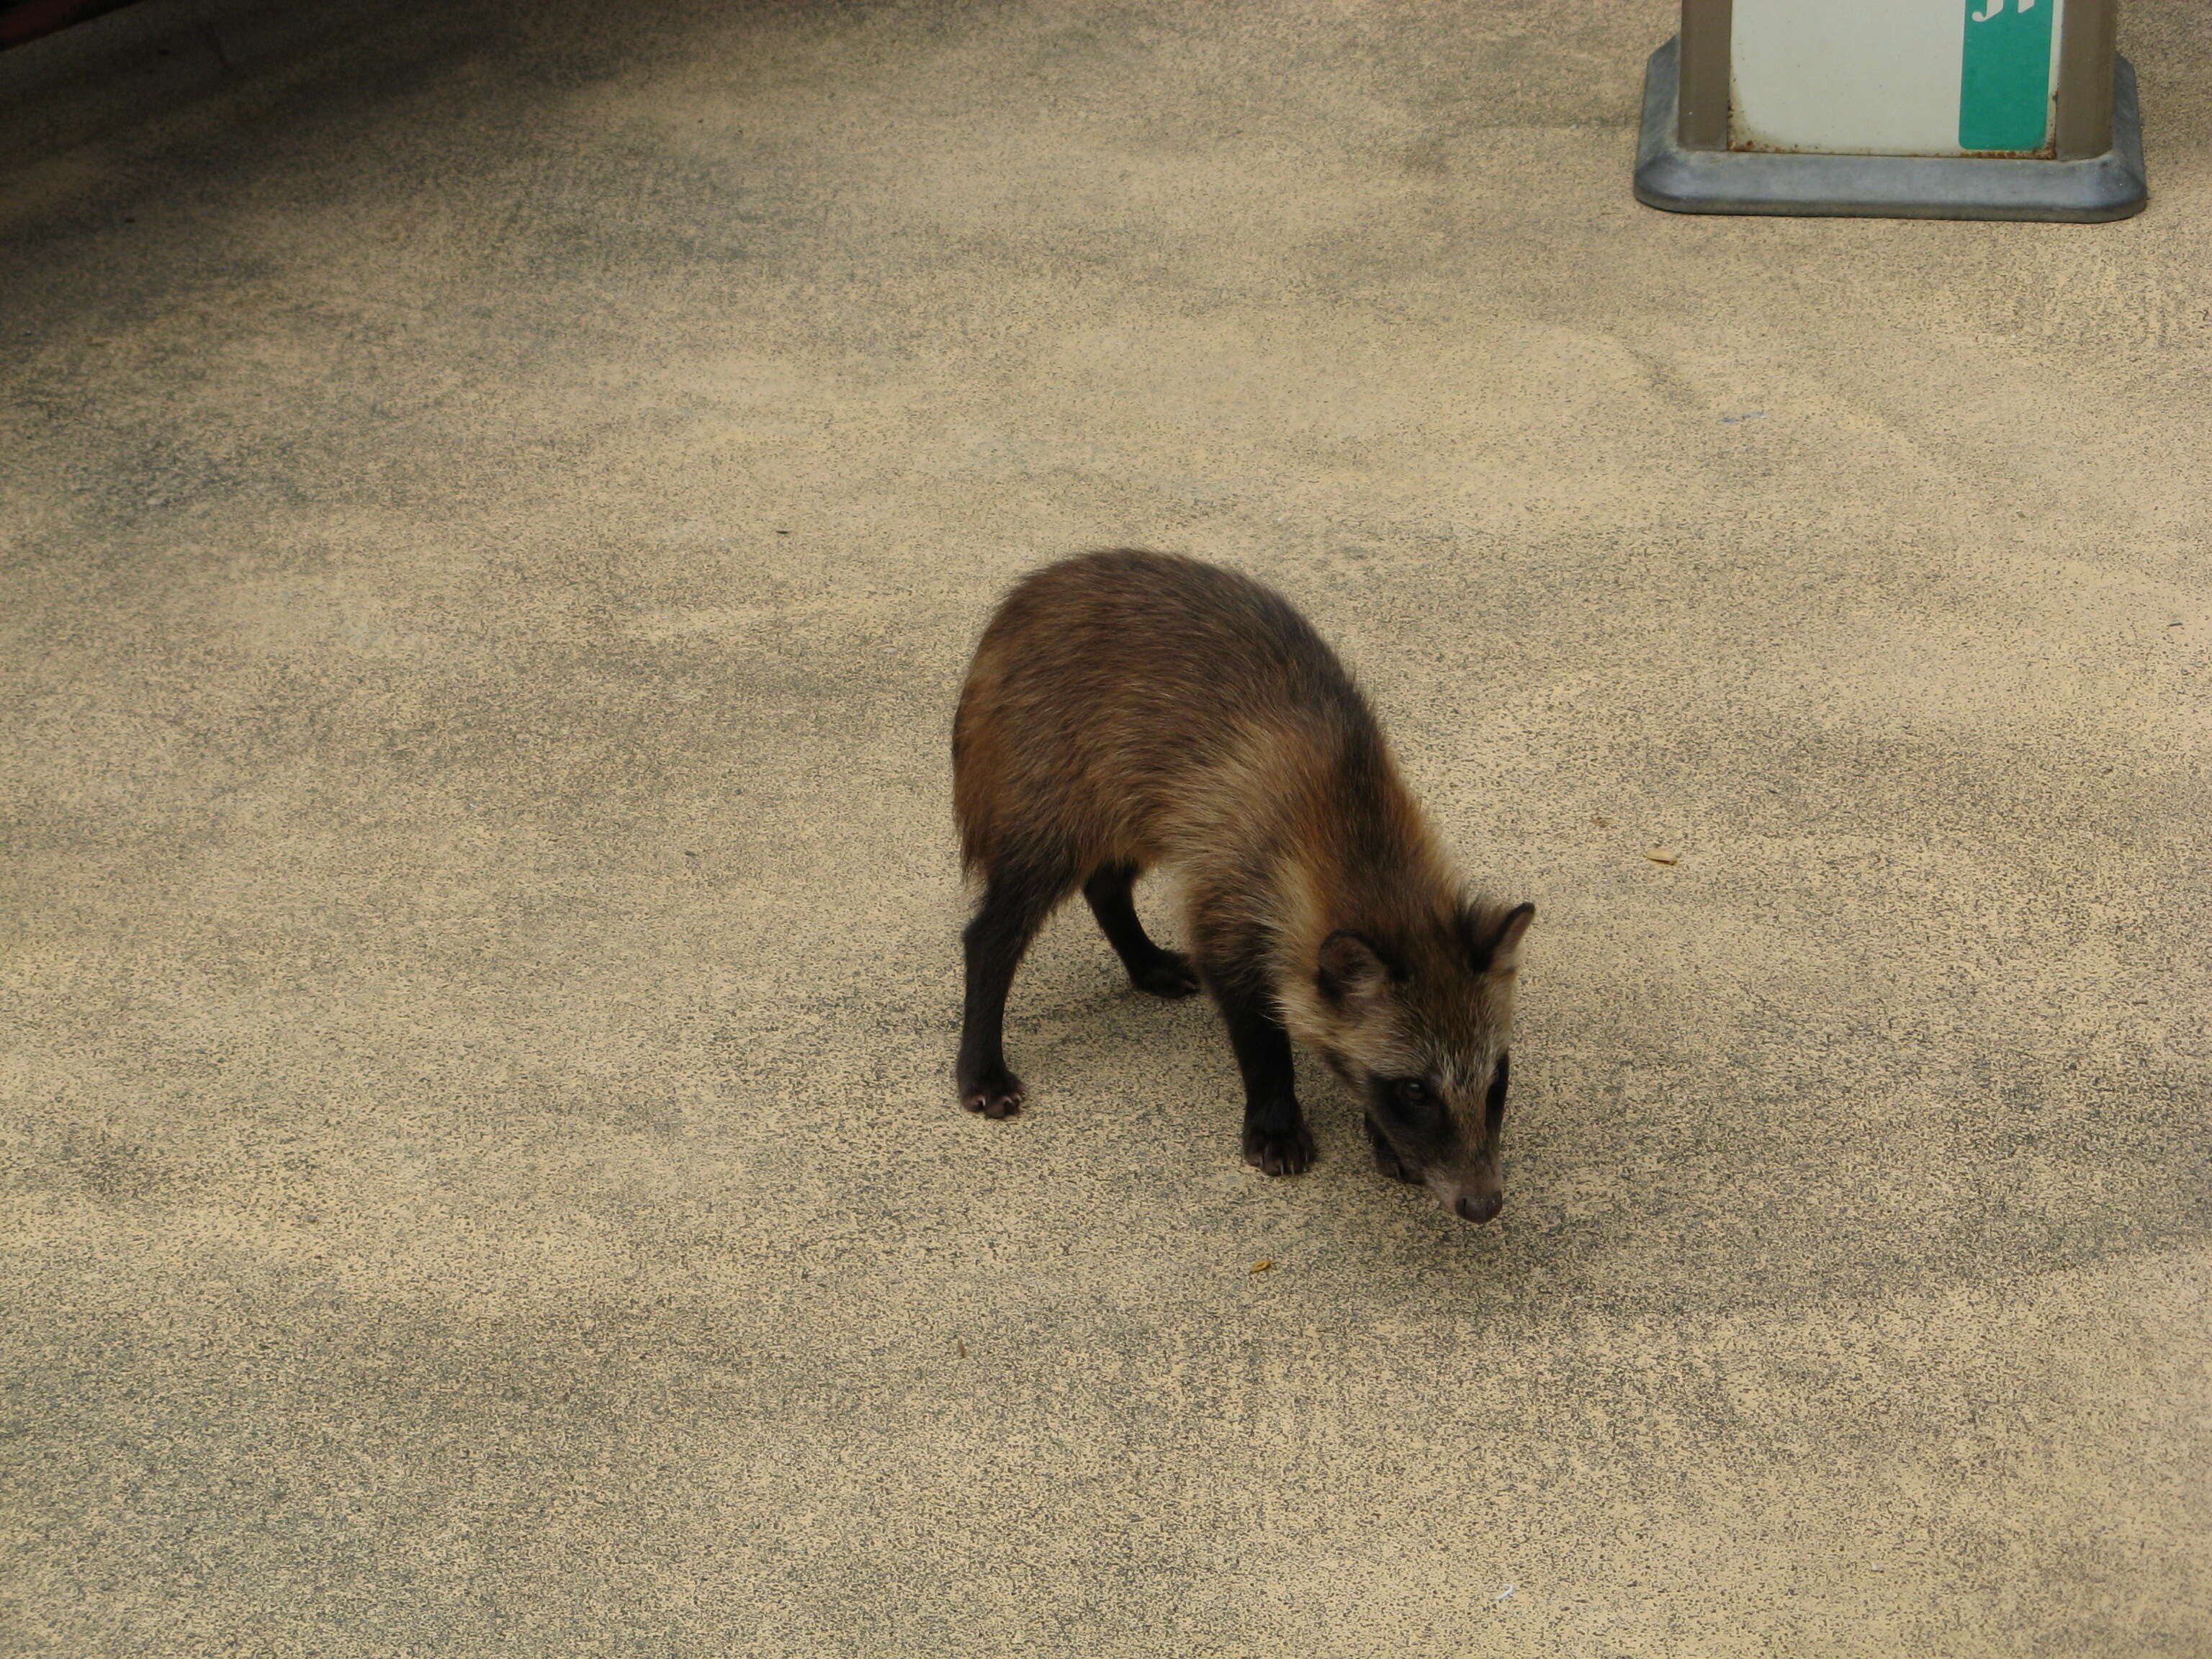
(2004, 85)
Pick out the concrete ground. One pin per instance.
(495, 509)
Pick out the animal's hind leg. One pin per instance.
(1017, 897)
(1164, 973)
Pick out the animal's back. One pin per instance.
(1122, 703)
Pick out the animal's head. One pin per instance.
(1418, 1026)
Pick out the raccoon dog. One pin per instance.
(1127, 709)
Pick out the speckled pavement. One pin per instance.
(493, 509)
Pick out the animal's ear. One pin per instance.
(1498, 950)
(1351, 966)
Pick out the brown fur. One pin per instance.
(1126, 709)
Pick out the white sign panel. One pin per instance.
(1893, 77)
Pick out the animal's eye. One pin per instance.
(1413, 1093)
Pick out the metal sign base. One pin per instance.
(2103, 187)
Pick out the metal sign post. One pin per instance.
(1927, 109)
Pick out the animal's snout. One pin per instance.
(1480, 1207)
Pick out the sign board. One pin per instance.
(1923, 108)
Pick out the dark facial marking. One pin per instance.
(1412, 1114)
(1494, 1107)
(1408, 1102)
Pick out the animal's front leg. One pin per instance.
(1276, 1139)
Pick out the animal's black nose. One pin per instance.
(1479, 1209)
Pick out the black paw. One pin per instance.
(1278, 1151)
(1387, 1159)
(1169, 975)
(996, 1094)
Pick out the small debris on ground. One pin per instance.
(1748, 415)
(1602, 823)
(1662, 855)
(1502, 1594)
(1264, 1264)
